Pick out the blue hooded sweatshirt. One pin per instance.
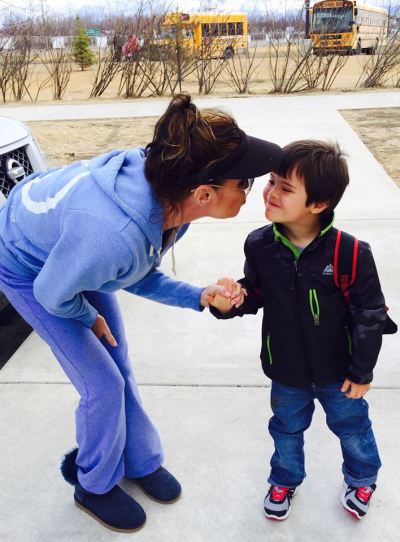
(90, 226)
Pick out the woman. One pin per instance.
(70, 237)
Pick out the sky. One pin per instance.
(184, 5)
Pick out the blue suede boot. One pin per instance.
(115, 509)
(160, 486)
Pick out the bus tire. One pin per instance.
(228, 53)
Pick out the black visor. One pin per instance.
(252, 158)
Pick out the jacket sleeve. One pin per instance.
(368, 314)
(86, 256)
(254, 300)
(161, 288)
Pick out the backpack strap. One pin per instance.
(345, 271)
(345, 262)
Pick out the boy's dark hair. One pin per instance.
(323, 167)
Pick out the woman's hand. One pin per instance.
(354, 391)
(209, 293)
(100, 329)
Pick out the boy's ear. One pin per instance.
(317, 208)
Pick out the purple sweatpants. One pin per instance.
(115, 436)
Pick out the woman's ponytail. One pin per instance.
(186, 141)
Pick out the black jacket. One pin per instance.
(309, 333)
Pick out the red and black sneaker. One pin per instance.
(277, 502)
(356, 499)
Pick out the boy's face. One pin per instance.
(285, 200)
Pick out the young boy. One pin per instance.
(315, 345)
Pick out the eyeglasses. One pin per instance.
(247, 186)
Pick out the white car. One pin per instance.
(19, 157)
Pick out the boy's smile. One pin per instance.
(285, 199)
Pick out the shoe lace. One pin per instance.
(364, 493)
(279, 493)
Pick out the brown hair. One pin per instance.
(323, 167)
(185, 142)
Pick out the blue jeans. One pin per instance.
(348, 418)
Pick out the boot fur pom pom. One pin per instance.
(68, 467)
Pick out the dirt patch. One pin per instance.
(66, 141)
(379, 129)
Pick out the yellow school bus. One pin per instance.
(345, 26)
(223, 33)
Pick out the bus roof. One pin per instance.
(374, 9)
(212, 16)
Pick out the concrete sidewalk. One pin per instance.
(201, 379)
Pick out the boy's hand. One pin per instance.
(354, 391)
(237, 293)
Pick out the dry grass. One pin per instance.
(379, 129)
(80, 84)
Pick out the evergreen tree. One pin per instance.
(81, 51)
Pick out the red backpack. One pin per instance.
(345, 271)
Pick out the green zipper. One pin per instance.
(269, 348)
(350, 342)
(314, 305)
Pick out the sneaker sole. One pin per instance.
(351, 511)
(280, 518)
(110, 527)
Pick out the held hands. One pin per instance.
(354, 391)
(235, 298)
(100, 329)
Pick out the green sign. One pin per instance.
(92, 32)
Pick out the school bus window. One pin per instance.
(222, 29)
(231, 29)
(205, 29)
(213, 29)
(239, 28)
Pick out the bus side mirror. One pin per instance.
(355, 12)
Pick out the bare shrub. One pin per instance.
(384, 65)
(290, 63)
(6, 72)
(107, 68)
(209, 66)
(240, 69)
(22, 74)
(136, 73)
(58, 63)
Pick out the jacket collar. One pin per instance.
(326, 225)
